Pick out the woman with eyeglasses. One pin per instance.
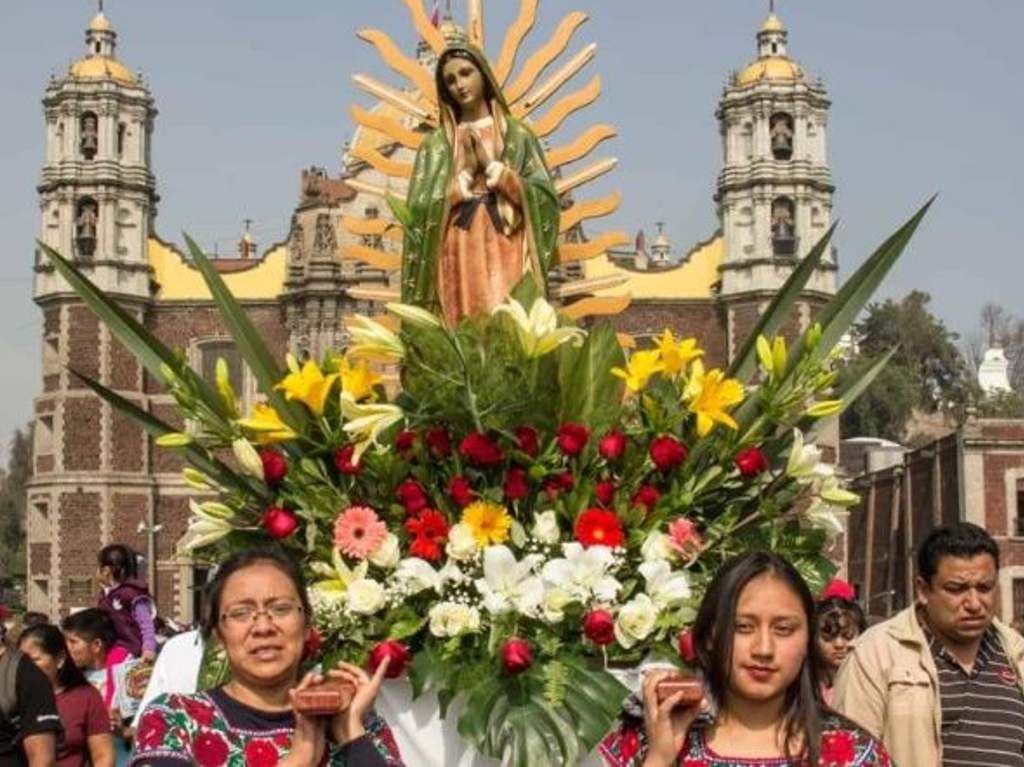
(258, 611)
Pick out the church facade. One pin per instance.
(98, 479)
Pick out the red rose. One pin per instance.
(279, 523)
(430, 530)
(516, 656)
(599, 527)
(751, 462)
(526, 438)
(275, 467)
(686, 649)
(343, 461)
(561, 483)
(209, 749)
(612, 445)
(261, 753)
(572, 438)
(460, 491)
(438, 441)
(479, 450)
(838, 748)
(313, 644)
(646, 496)
(396, 653)
(517, 486)
(599, 627)
(667, 453)
(605, 492)
(412, 496)
(405, 441)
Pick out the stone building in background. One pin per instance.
(98, 479)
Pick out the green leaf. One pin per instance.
(853, 389)
(526, 292)
(593, 700)
(590, 393)
(248, 340)
(775, 316)
(150, 351)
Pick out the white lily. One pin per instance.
(207, 526)
(804, 462)
(823, 516)
(338, 576)
(371, 339)
(657, 547)
(414, 315)
(552, 609)
(831, 491)
(583, 573)
(538, 331)
(666, 589)
(365, 421)
(416, 575)
(509, 585)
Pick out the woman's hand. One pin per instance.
(347, 725)
(470, 161)
(667, 723)
(310, 738)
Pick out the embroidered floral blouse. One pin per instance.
(210, 729)
(842, 745)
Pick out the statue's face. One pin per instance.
(465, 83)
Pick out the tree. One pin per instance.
(928, 374)
(13, 483)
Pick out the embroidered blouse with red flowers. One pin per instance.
(842, 745)
(211, 729)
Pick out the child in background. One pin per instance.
(840, 621)
(126, 600)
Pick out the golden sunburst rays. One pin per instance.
(537, 91)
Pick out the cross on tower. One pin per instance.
(247, 221)
(101, 5)
(771, 5)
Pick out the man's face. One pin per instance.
(959, 600)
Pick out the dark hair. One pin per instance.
(33, 618)
(49, 639)
(442, 88)
(90, 625)
(274, 557)
(962, 540)
(835, 613)
(121, 560)
(715, 628)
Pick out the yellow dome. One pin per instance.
(772, 24)
(102, 68)
(100, 23)
(772, 68)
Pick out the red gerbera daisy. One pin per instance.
(599, 527)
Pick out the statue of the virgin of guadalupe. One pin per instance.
(483, 209)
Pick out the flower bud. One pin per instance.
(599, 627)
(516, 656)
(248, 459)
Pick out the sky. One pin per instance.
(926, 98)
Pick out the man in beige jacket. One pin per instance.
(941, 682)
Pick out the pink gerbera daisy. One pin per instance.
(358, 531)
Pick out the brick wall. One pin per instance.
(80, 539)
(83, 339)
(82, 433)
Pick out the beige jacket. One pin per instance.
(889, 686)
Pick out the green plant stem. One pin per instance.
(471, 401)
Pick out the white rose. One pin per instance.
(387, 554)
(635, 621)
(365, 596)
(450, 619)
(553, 605)
(545, 528)
(656, 548)
(462, 546)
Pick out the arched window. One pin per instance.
(784, 240)
(89, 135)
(782, 136)
(86, 225)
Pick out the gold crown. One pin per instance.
(453, 34)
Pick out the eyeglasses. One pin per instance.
(276, 612)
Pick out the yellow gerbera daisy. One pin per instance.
(490, 523)
(676, 355)
(710, 395)
(639, 369)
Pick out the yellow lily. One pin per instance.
(710, 394)
(227, 394)
(357, 379)
(267, 425)
(308, 385)
(639, 369)
(676, 355)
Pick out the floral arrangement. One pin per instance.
(526, 505)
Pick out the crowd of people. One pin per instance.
(791, 680)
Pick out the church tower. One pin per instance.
(774, 194)
(97, 198)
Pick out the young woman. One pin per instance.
(87, 739)
(756, 642)
(483, 208)
(840, 621)
(259, 612)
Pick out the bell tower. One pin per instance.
(775, 191)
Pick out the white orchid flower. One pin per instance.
(583, 573)
(365, 421)
(666, 589)
(371, 339)
(538, 331)
(509, 585)
(414, 315)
